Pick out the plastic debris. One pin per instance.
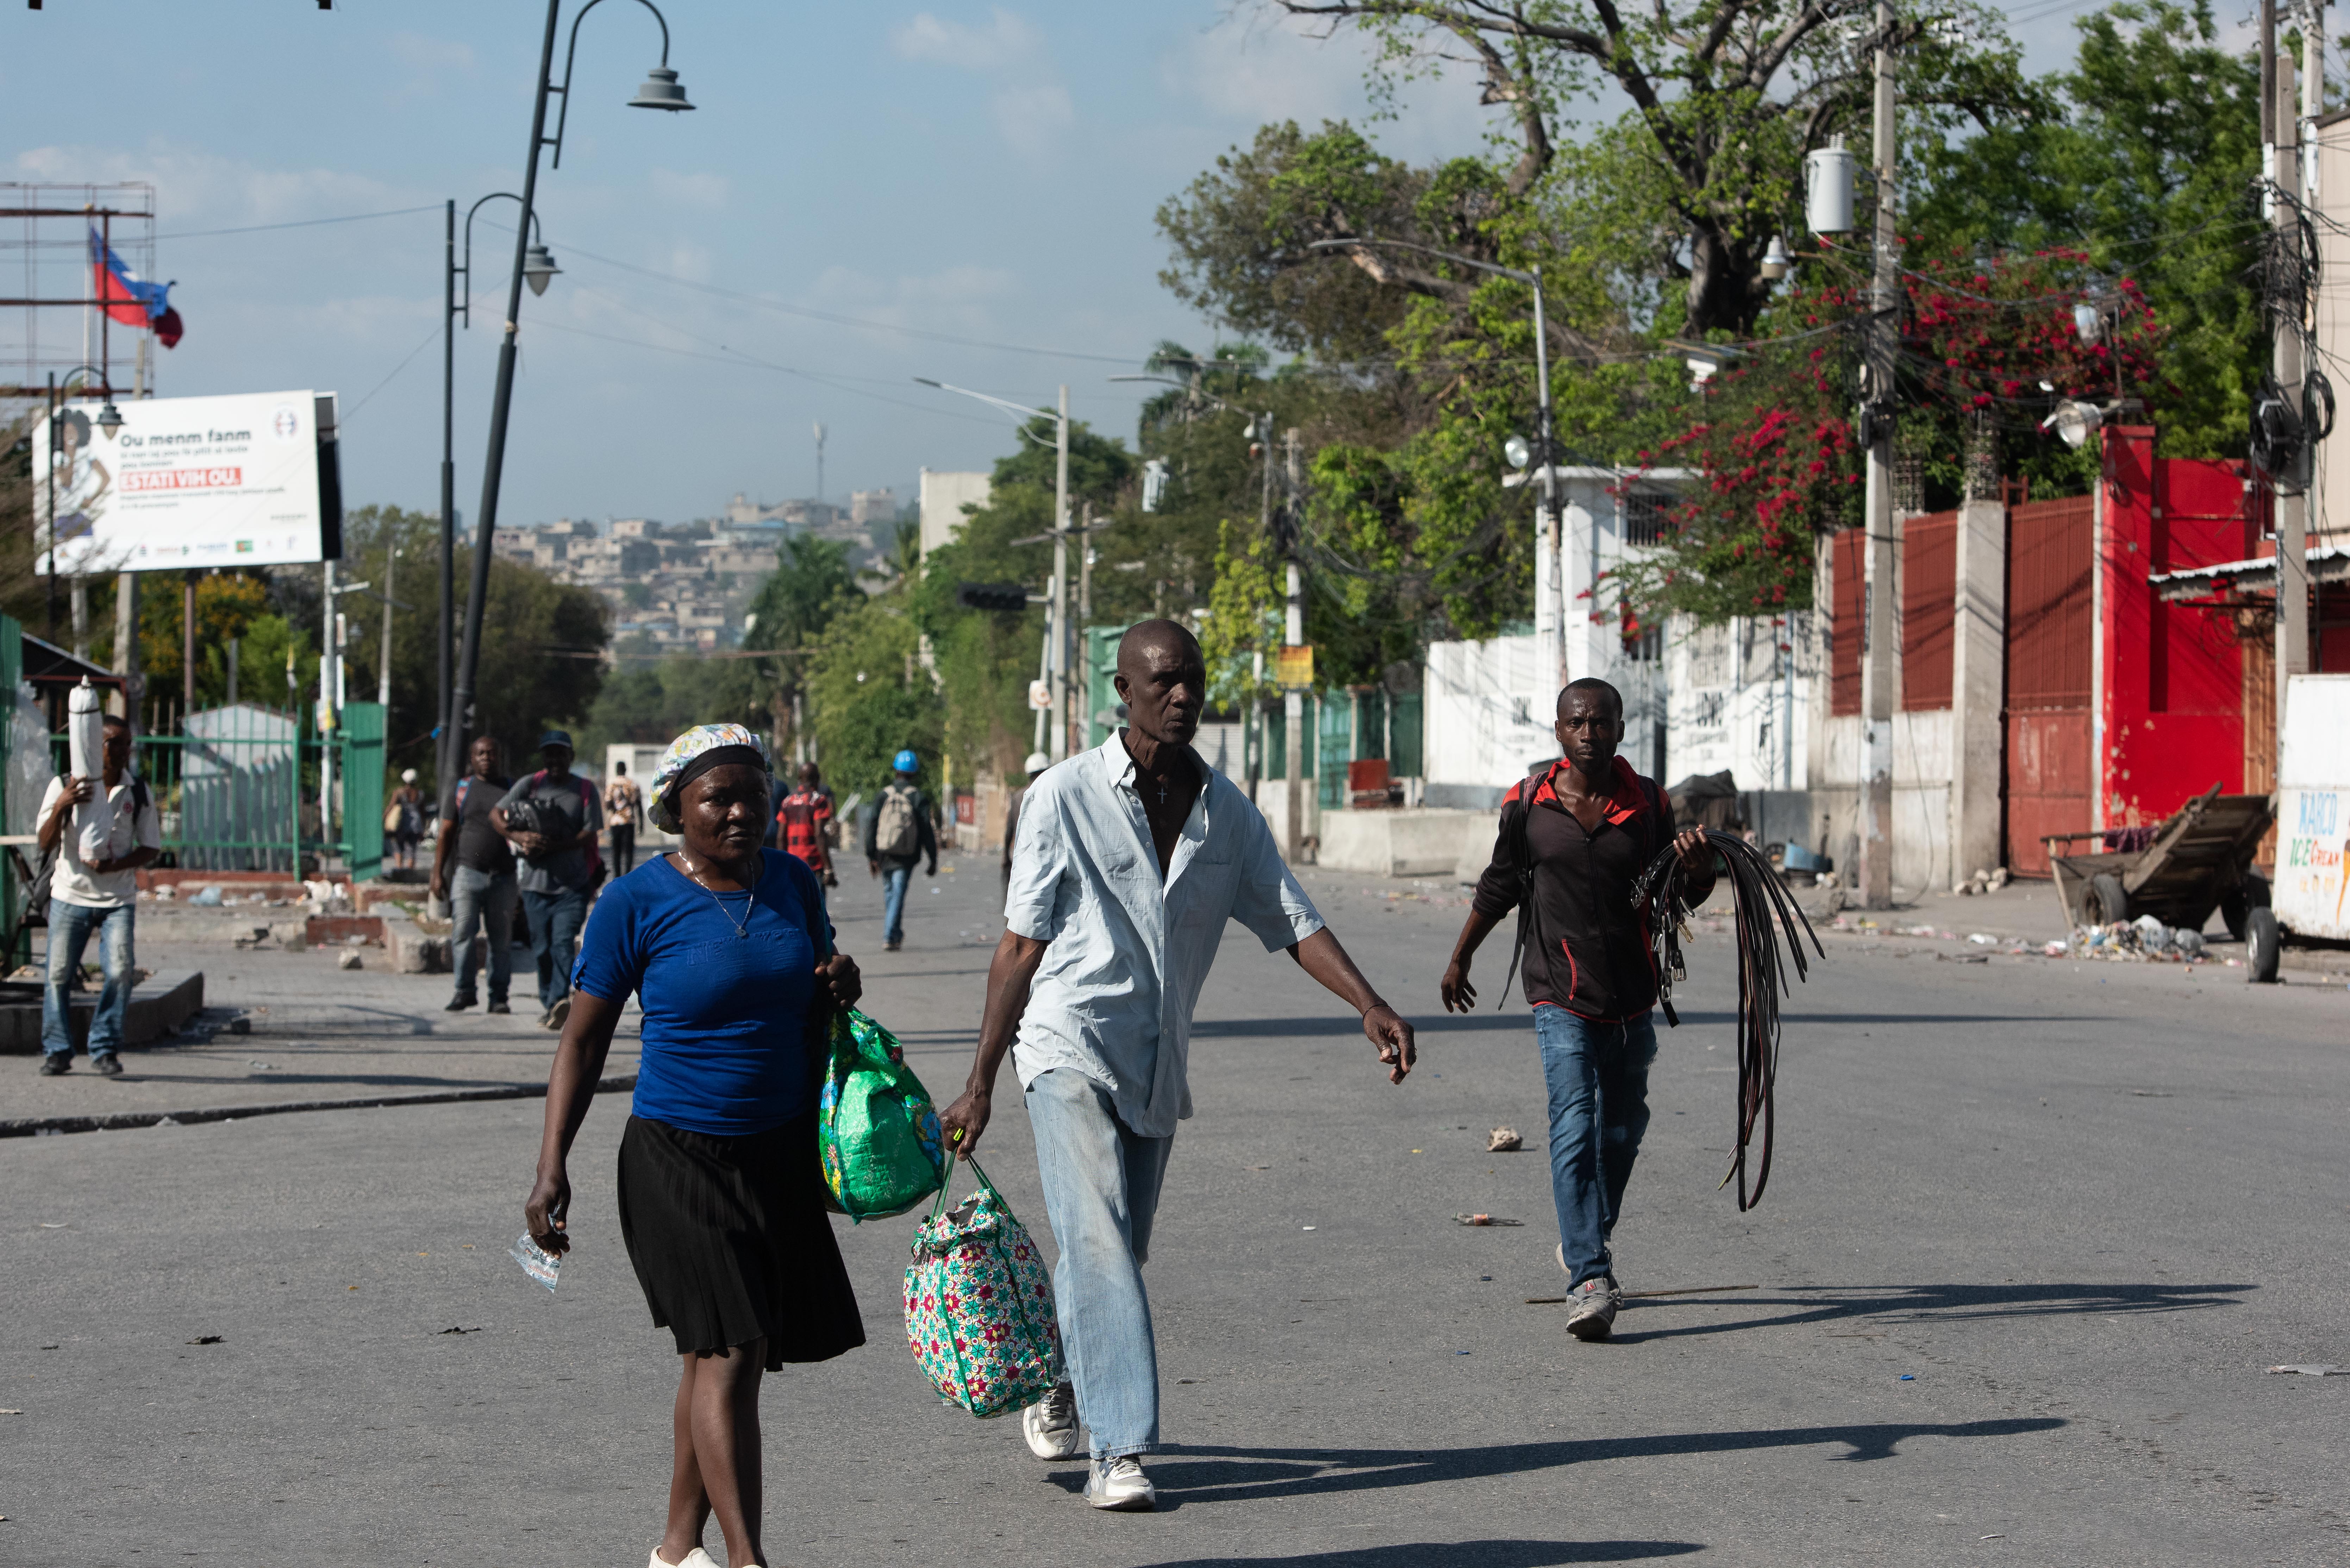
(1483, 1220)
(1908, 1377)
(209, 899)
(2319, 1369)
(205, 1339)
(1505, 1140)
(540, 1264)
(349, 960)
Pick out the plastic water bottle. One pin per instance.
(540, 1264)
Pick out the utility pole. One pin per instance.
(444, 776)
(126, 642)
(1293, 635)
(383, 666)
(1875, 878)
(331, 659)
(1064, 702)
(2288, 320)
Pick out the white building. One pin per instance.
(944, 498)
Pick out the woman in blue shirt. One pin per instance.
(726, 945)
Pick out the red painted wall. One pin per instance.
(2172, 703)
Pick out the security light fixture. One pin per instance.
(2087, 319)
(662, 90)
(538, 268)
(2075, 421)
(1776, 262)
(1516, 450)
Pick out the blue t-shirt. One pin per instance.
(723, 1051)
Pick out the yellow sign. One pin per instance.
(1294, 668)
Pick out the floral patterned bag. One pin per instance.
(979, 1306)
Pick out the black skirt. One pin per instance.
(732, 1241)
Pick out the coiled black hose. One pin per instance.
(1660, 899)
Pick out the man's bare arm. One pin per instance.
(1320, 956)
(1009, 974)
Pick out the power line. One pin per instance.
(299, 223)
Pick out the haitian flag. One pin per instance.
(126, 299)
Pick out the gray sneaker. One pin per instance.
(1118, 1485)
(1593, 1315)
(1050, 1425)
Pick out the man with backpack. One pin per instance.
(480, 889)
(88, 898)
(553, 818)
(1575, 837)
(902, 830)
(804, 822)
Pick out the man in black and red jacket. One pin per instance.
(1575, 837)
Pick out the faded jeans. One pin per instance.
(71, 928)
(894, 901)
(1101, 1189)
(486, 899)
(555, 921)
(1597, 1074)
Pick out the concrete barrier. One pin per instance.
(1428, 841)
(412, 951)
(159, 1004)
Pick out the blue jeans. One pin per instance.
(894, 901)
(1597, 1075)
(555, 921)
(70, 926)
(486, 899)
(1101, 1189)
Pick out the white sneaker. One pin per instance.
(1050, 1425)
(1120, 1486)
(697, 1558)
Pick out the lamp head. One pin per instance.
(538, 268)
(2075, 421)
(109, 418)
(662, 90)
(1516, 450)
(2086, 321)
(1776, 262)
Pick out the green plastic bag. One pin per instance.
(877, 1132)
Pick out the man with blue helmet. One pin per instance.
(902, 830)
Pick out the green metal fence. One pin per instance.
(238, 789)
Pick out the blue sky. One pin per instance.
(945, 176)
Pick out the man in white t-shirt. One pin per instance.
(98, 898)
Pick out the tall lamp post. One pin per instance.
(109, 419)
(1550, 614)
(538, 269)
(1064, 702)
(659, 91)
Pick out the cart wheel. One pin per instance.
(2106, 893)
(2262, 946)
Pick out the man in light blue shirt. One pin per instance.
(1130, 859)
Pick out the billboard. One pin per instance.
(249, 480)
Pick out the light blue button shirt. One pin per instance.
(1113, 997)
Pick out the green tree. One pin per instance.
(871, 697)
(2148, 169)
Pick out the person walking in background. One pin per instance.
(94, 897)
(552, 817)
(803, 824)
(903, 831)
(1036, 763)
(720, 1200)
(479, 889)
(1099, 969)
(406, 823)
(624, 812)
(1573, 842)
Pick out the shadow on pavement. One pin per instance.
(1190, 1474)
(1517, 1022)
(1459, 1554)
(1937, 1304)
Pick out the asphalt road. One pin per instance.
(2083, 1207)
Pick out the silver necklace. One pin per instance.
(750, 896)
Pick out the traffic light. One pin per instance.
(991, 596)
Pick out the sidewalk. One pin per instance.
(312, 1032)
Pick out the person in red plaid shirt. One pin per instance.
(801, 821)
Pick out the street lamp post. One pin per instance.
(109, 419)
(1550, 606)
(1057, 672)
(539, 270)
(661, 90)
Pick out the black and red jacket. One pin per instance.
(1585, 949)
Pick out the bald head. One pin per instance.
(1163, 679)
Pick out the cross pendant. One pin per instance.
(1162, 792)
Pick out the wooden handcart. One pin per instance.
(2197, 860)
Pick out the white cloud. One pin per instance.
(708, 191)
(1007, 41)
(1034, 119)
(196, 189)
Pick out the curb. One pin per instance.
(116, 1121)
